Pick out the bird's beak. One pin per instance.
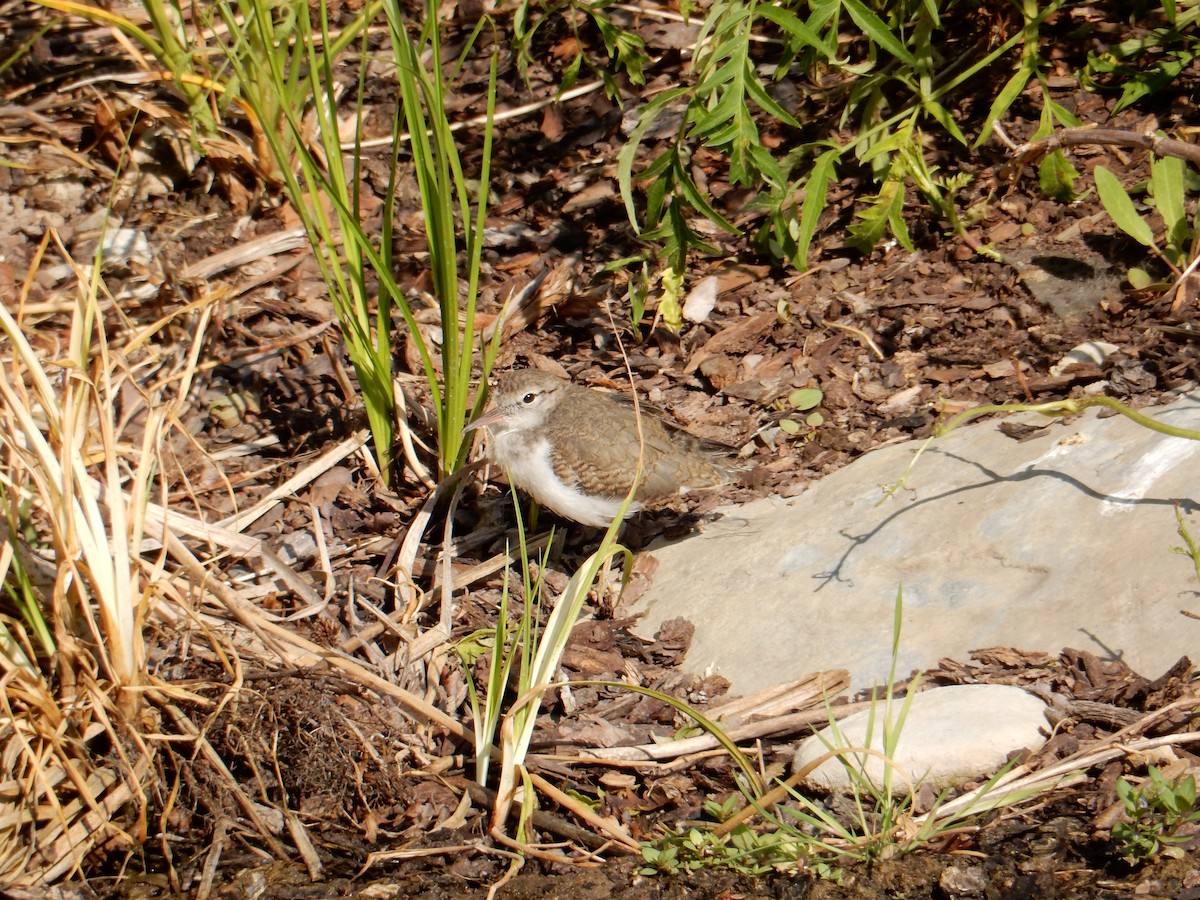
(493, 417)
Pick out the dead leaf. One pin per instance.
(701, 299)
(552, 123)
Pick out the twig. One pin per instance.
(766, 728)
(485, 797)
(241, 521)
(605, 826)
(859, 332)
(1031, 153)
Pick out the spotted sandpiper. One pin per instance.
(575, 450)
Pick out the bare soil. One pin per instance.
(894, 340)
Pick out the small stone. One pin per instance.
(950, 735)
(297, 547)
(963, 881)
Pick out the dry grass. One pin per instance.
(96, 558)
(87, 400)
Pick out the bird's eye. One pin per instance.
(529, 398)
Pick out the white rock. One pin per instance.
(1094, 352)
(1062, 541)
(701, 300)
(950, 735)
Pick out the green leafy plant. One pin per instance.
(892, 100)
(264, 66)
(1166, 51)
(276, 61)
(1162, 816)
(624, 48)
(745, 851)
(1190, 548)
(804, 833)
(879, 821)
(1167, 191)
(802, 400)
(1056, 175)
(521, 665)
(446, 199)
(880, 813)
(325, 191)
(326, 197)
(506, 648)
(714, 110)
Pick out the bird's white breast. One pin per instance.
(527, 463)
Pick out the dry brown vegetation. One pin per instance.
(248, 649)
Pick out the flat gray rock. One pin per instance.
(950, 735)
(1061, 541)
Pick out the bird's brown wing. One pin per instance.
(677, 435)
(598, 449)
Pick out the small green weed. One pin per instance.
(743, 850)
(521, 667)
(1167, 191)
(803, 400)
(869, 822)
(1190, 550)
(1163, 816)
(806, 836)
(18, 586)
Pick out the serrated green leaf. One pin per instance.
(700, 203)
(878, 32)
(823, 174)
(570, 75)
(657, 193)
(890, 144)
(942, 115)
(628, 154)
(772, 172)
(722, 113)
(662, 163)
(883, 211)
(791, 25)
(768, 103)
(1120, 208)
(896, 222)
